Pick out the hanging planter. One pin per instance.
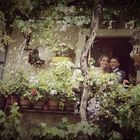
(34, 58)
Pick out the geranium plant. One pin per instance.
(33, 95)
(38, 87)
(16, 84)
(59, 79)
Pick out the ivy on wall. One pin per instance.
(115, 14)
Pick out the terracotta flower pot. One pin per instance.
(38, 105)
(25, 103)
(11, 100)
(46, 106)
(53, 104)
(69, 106)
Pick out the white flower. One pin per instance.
(53, 92)
(33, 80)
(111, 83)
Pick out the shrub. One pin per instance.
(10, 128)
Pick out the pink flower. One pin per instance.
(34, 92)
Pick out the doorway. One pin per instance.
(119, 47)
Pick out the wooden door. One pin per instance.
(120, 47)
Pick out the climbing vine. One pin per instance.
(39, 17)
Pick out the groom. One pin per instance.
(114, 65)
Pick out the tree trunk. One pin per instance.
(83, 59)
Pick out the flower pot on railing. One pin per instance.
(25, 103)
(11, 100)
(69, 106)
(46, 106)
(38, 105)
(53, 104)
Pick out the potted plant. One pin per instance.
(35, 97)
(13, 87)
(65, 50)
(16, 87)
(10, 124)
(25, 103)
(59, 81)
(39, 89)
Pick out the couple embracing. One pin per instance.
(107, 65)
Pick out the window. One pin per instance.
(120, 47)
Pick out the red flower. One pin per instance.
(34, 92)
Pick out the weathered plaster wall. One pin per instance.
(14, 50)
(73, 35)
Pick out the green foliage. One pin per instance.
(20, 83)
(59, 79)
(33, 95)
(3, 88)
(119, 120)
(118, 8)
(54, 82)
(100, 82)
(10, 128)
(5, 40)
(115, 136)
(75, 15)
(47, 33)
(65, 131)
(16, 85)
(37, 87)
(2, 121)
(69, 12)
(119, 107)
(120, 113)
(99, 78)
(56, 18)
